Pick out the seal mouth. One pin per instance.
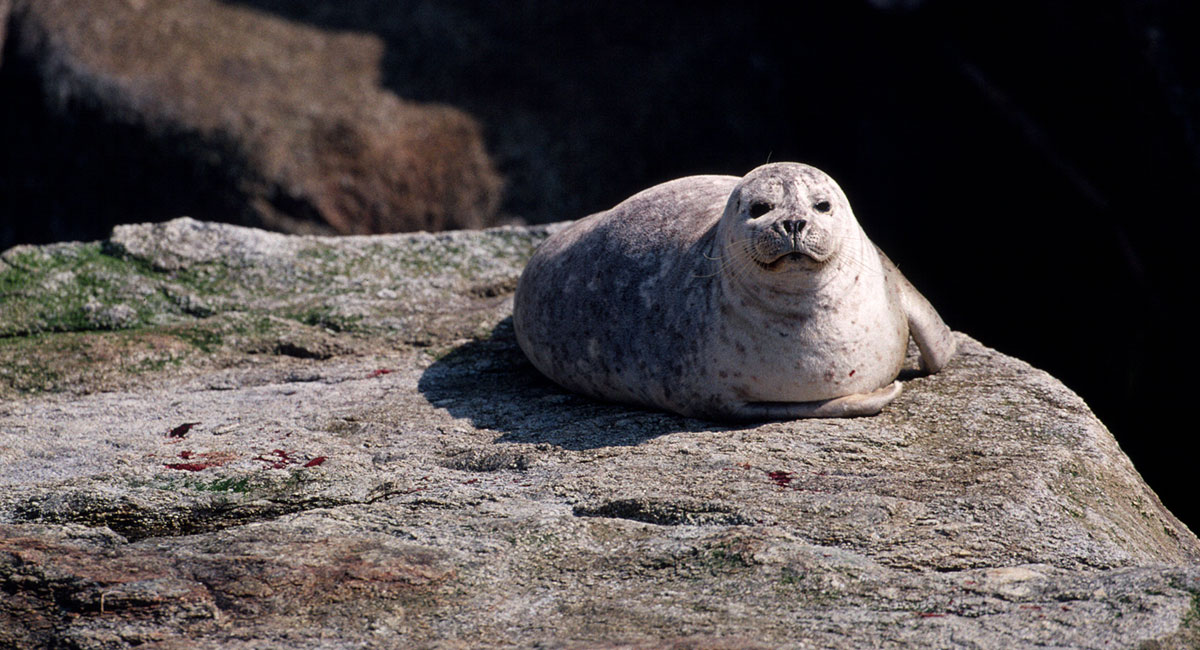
(788, 259)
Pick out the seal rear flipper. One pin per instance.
(839, 407)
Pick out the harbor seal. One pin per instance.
(716, 297)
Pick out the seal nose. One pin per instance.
(792, 227)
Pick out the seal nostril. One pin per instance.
(793, 226)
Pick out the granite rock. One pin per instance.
(219, 437)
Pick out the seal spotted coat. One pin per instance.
(733, 299)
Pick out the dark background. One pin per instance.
(1033, 167)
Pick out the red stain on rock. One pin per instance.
(276, 459)
(201, 461)
(316, 461)
(781, 478)
(181, 430)
(190, 467)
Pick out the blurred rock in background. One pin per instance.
(120, 111)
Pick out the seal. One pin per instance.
(716, 297)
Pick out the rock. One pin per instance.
(205, 108)
(336, 442)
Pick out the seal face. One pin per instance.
(738, 299)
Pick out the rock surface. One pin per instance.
(219, 437)
(169, 107)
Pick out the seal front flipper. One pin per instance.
(933, 337)
(840, 407)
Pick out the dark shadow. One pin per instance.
(492, 384)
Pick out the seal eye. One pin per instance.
(758, 209)
(822, 206)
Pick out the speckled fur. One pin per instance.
(685, 297)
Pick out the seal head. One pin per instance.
(786, 222)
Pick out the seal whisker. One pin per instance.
(856, 257)
(733, 263)
(744, 260)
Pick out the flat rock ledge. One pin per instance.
(219, 437)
